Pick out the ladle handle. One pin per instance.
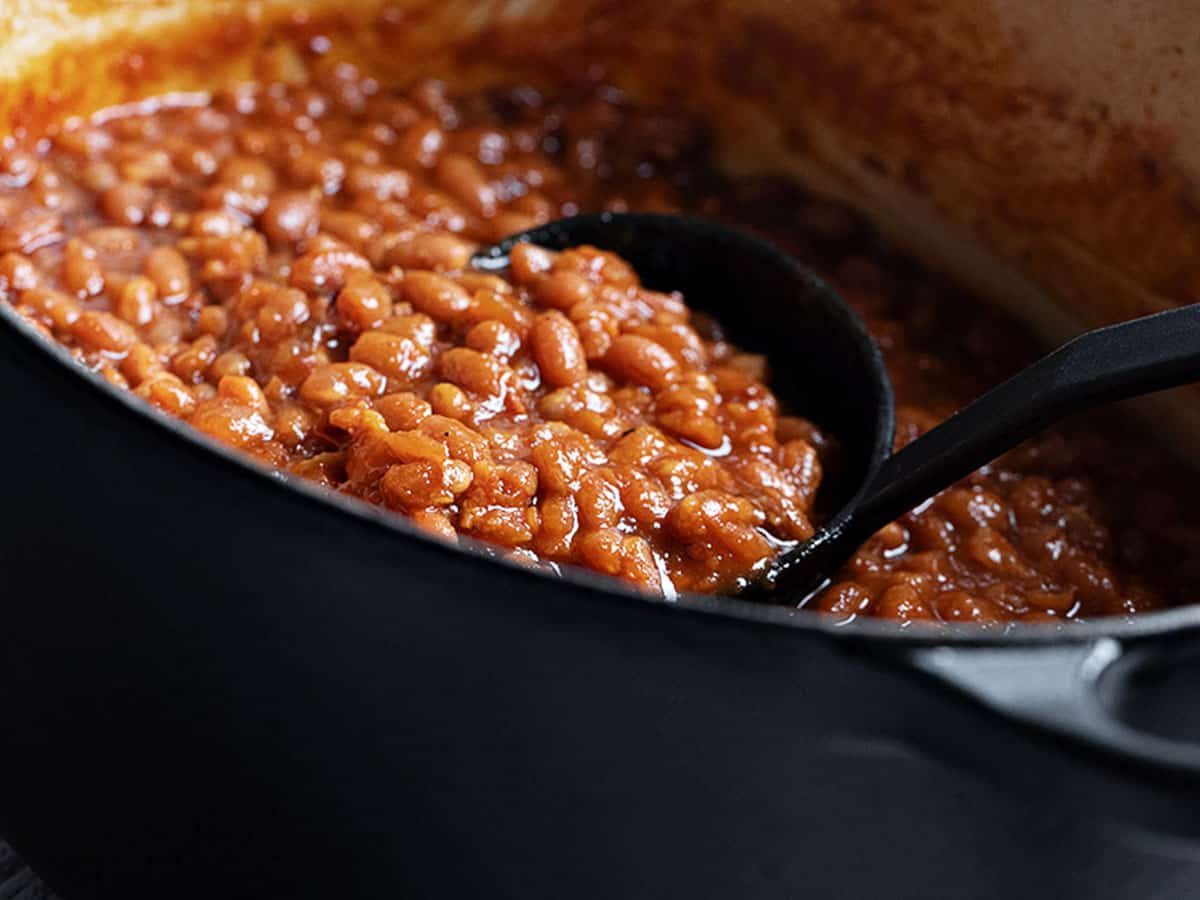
(1113, 363)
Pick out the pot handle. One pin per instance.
(1069, 690)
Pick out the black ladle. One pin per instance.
(816, 342)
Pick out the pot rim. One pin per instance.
(1140, 625)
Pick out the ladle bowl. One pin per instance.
(827, 367)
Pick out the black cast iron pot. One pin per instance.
(221, 683)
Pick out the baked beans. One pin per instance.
(298, 286)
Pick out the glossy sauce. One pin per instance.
(286, 269)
